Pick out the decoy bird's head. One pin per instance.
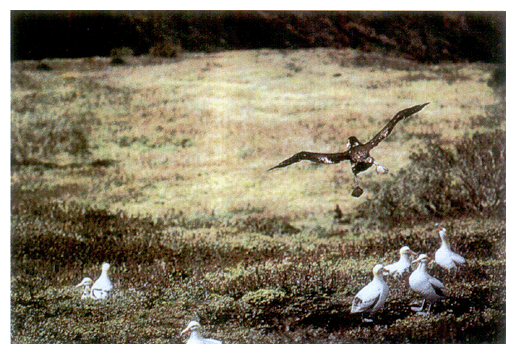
(442, 233)
(192, 326)
(379, 270)
(105, 267)
(423, 258)
(85, 282)
(441, 228)
(406, 250)
(353, 141)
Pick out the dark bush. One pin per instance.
(468, 179)
(117, 61)
(166, 49)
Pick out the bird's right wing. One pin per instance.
(314, 157)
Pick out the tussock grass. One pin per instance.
(255, 288)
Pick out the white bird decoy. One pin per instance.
(86, 283)
(398, 269)
(444, 256)
(430, 289)
(195, 337)
(101, 288)
(372, 297)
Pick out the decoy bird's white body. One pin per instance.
(102, 286)
(444, 256)
(86, 283)
(372, 297)
(430, 289)
(195, 337)
(398, 269)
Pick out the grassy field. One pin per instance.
(160, 169)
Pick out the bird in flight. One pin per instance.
(357, 153)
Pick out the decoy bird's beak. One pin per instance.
(186, 330)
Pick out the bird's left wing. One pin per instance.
(378, 138)
(314, 157)
(364, 302)
(438, 286)
(458, 259)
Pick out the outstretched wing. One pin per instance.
(390, 126)
(314, 157)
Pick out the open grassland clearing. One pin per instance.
(197, 135)
(160, 170)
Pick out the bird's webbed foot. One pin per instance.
(418, 309)
(357, 191)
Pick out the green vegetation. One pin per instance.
(160, 170)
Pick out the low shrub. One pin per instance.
(440, 182)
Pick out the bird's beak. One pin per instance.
(412, 253)
(416, 261)
(186, 330)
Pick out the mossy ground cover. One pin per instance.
(160, 170)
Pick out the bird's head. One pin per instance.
(192, 326)
(423, 258)
(442, 233)
(379, 270)
(353, 141)
(85, 282)
(405, 250)
(105, 267)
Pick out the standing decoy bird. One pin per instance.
(86, 283)
(444, 256)
(357, 153)
(102, 286)
(195, 337)
(430, 289)
(372, 297)
(398, 269)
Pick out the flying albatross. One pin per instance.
(357, 153)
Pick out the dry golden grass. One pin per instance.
(198, 135)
